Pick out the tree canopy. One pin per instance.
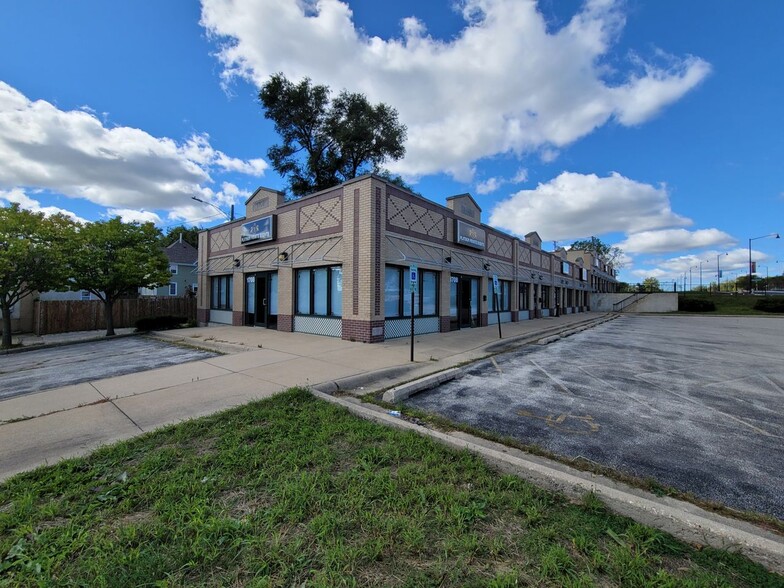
(651, 284)
(606, 253)
(189, 235)
(326, 142)
(114, 259)
(33, 253)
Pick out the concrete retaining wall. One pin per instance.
(659, 302)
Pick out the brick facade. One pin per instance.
(362, 331)
(365, 225)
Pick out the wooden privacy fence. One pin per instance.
(62, 316)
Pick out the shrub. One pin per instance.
(770, 304)
(160, 323)
(695, 305)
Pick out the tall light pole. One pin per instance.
(718, 272)
(216, 207)
(767, 278)
(701, 262)
(775, 236)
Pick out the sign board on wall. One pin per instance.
(261, 229)
(469, 235)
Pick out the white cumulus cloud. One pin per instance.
(131, 215)
(576, 205)
(669, 240)
(18, 196)
(504, 83)
(72, 152)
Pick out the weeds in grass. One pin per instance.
(293, 491)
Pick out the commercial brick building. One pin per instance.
(339, 263)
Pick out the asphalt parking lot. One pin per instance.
(695, 403)
(42, 369)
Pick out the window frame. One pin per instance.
(170, 288)
(226, 304)
(404, 294)
(504, 296)
(312, 290)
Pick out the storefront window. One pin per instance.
(273, 294)
(320, 291)
(303, 291)
(503, 301)
(429, 290)
(397, 293)
(392, 292)
(221, 292)
(523, 302)
(336, 288)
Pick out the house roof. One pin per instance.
(181, 252)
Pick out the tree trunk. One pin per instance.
(108, 307)
(6, 326)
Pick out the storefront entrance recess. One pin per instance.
(463, 302)
(261, 300)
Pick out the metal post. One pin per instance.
(412, 324)
(498, 314)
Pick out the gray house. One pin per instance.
(182, 264)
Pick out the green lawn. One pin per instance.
(730, 304)
(293, 491)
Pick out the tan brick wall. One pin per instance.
(285, 291)
(287, 224)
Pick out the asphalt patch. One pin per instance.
(43, 369)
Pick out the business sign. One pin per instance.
(469, 235)
(261, 229)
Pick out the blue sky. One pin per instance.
(655, 125)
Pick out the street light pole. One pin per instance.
(216, 207)
(718, 272)
(775, 236)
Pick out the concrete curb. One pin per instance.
(683, 520)
(42, 345)
(404, 391)
(216, 346)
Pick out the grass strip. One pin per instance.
(295, 491)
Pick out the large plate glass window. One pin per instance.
(397, 293)
(504, 299)
(320, 291)
(221, 292)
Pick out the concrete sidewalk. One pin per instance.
(47, 426)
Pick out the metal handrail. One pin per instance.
(620, 305)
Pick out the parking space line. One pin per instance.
(618, 390)
(560, 384)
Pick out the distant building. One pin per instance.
(182, 258)
(340, 262)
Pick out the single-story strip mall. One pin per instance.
(340, 263)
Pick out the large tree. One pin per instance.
(115, 259)
(606, 253)
(327, 142)
(189, 235)
(33, 250)
(651, 284)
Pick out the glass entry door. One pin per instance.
(464, 302)
(261, 299)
